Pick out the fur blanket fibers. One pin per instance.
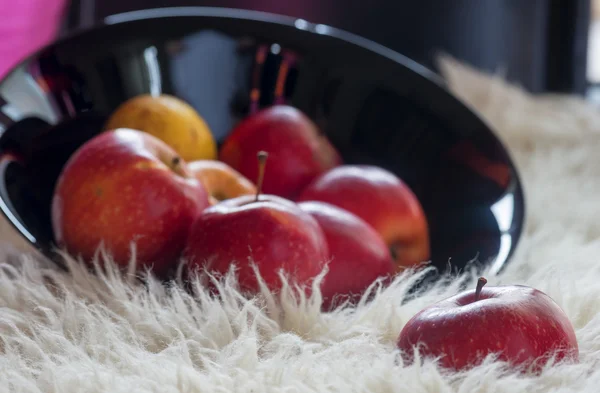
(106, 334)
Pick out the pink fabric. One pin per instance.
(25, 26)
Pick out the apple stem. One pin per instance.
(480, 283)
(176, 161)
(262, 162)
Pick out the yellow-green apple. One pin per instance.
(381, 199)
(125, 186)
(358, 256)
(297, 151)
(220, 180)
(520, 325)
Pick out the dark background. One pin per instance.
(539, 44)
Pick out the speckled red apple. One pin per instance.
(521, 325)
(126, 186)
(273, 233)
(266, 232)
(358, 256)
(297, 152)
(381, 199)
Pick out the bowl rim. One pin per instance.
(271, 18)
(290, 22)
(239, 14)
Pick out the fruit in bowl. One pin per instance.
(267, 231)
(171, 120)
(220, 180)
(297, 151)
(272, 233)
(126, 186)
(358, 256)
(382, 200)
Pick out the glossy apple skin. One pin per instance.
(357, 254)
(220, 180)
(382, 200)
(273, 233)
(297, 152)
(122, 186)
(519, 323)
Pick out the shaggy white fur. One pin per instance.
(83, 333)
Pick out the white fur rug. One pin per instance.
(89, 334)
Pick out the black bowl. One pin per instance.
(375, 105)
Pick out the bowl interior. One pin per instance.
(376, 106)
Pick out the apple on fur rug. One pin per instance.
(85, 333)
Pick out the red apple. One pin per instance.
(126, 186)
(267, 231)
(358, 255)
(273, 233)
(381, 199)
(297, 152)
(522, 325)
